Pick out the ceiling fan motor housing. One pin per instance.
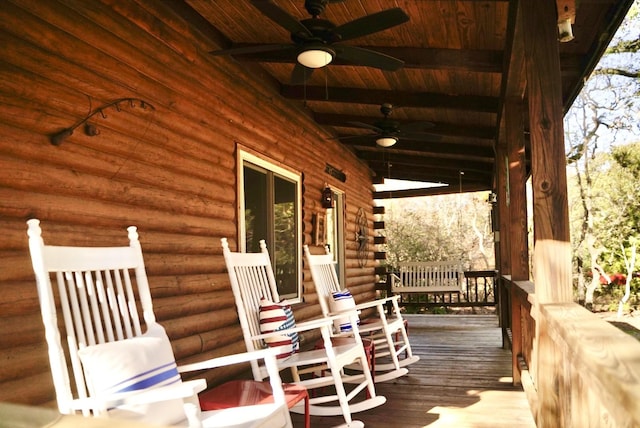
(315, 7)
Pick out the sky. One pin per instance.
(617, 97)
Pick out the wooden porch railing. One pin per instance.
(479, 288)
(577, 369)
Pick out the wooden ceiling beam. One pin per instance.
(430, 191)
(475, 60)
(403, 98)
(439, 128)
(434, 174)
(427, 176)
(377, 160)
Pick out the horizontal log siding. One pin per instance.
(170, 171)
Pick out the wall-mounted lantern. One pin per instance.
(327, 198)
(565, 32)
(566, 17)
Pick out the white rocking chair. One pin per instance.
(388, 332)
(117, 370)
(251, 276)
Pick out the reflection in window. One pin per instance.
(271, 212)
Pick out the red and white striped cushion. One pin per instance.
(277, 317)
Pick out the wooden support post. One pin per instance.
(513, 159)
(516, 335)
(518, 248)
(519, 253)
(501, 216)
(552, 264)
(552, 251)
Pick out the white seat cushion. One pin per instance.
(134, 364)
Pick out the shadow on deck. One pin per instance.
(463, 379)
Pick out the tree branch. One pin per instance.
(618, 72)
(625, 46)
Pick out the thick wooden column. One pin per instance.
(517, 207)
(519, 252)
(513, 161)
(552, 250)
(501, 216)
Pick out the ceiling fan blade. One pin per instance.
(421, 126)
(300, 74)
(421, 137)
(370, 24)
(367, 57)
(280, 17)
(349, 137)
(367, 126)
(251, 49)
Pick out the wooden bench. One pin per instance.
(428, 277)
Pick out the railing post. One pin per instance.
(504, 309)
(516, 334)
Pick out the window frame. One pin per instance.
(277, 168)
(338, 216)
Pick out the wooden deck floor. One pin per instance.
(463, 379)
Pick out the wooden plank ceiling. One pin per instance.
(456, 55)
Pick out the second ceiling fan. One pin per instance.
(317, 41)
(388, 132)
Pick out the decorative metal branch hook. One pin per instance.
(91, 130)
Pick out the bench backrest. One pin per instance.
(428, 277)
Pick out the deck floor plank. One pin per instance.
(463, 379)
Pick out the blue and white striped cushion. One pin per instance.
(133, 364)
(277, 317)
(342, 301)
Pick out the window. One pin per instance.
(270, 209)
(335, 233)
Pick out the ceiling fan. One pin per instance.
(317, 41)
(388, 132)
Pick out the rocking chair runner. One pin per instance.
(252, 279)
(383, 330)
(117, 370)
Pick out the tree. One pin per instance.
(456, 226)
(600, 117)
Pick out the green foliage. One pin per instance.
(615, 202)
(456, 226)
(622, 206)
(604, 155)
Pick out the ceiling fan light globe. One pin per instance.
(315, 58)
(386, 141)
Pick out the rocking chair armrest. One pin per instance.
(228, 360)
(151, 395)
(338, 315)
(374, 303)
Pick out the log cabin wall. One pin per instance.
(170, 169)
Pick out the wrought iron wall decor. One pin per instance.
(92, 130)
